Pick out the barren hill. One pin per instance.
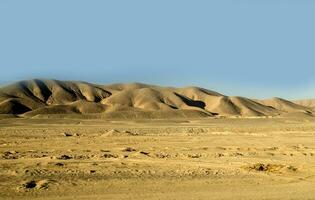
(307, 103)
(42, 97)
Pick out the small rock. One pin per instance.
(67, 134)
(108, 155)
(129, 149)
(59, 164)
(144, 153)
(10, 152)
(64, 157)
(70, 134)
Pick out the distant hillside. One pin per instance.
(307, 103)
(41, 97)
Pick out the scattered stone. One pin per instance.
(60, 164)
(112, 132)
(108, 155)
(10, 152)
(67, 134)
(30, 185)
(144, 153)
(70, 134)
(195, 155)
(64, 157)
(128, 132)
(261, 167)
(129, 149)
(219, 155)
(162, 155)
(10, 155)
(104, 150)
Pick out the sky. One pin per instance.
(253, 48)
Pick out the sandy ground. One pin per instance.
(160, 159)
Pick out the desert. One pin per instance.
(157, 100)
(78, 140)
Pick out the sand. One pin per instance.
(78, 140)
(196, 158)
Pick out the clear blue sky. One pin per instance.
(252, 48)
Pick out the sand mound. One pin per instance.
(299, 114)
(53, 92)
(284, 105)
(35, 185)
(307, 103)
(136, 100)
(249, 107)
(271, 168)
(13, 107)
(115, 132)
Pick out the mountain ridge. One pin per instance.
(29, 98)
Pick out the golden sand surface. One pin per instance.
(241, 158)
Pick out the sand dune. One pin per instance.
(40, 97)
(307, 103)
(284, 105)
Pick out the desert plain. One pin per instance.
(64, 142)
(159, 159)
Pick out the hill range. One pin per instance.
(45, 97)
